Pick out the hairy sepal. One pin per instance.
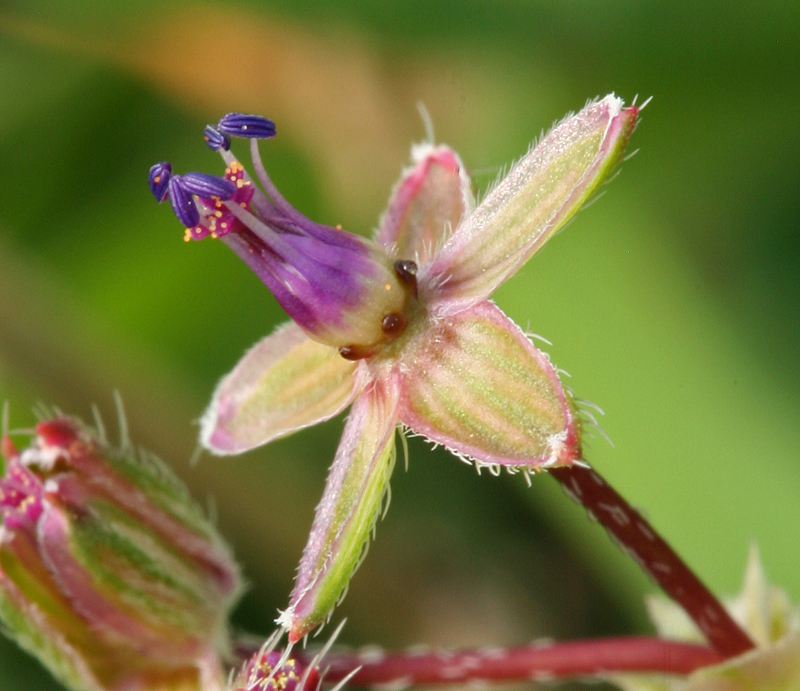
(284, 383)
(540, 194)
(477, 385)
(426, 205)
(349, 507)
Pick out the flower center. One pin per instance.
(341, 289)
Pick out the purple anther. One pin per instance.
(215, 139)
(208, 186)
(159, 177)
(248, 126)
(182, 203)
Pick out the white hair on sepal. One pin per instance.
(4, 419)
(427, 123)
(98, 424)
(42, 412)
(644, 104)
(630, 155)
(318, 657)
(532, 336)
(526, 473)
(586, 415)
(401, 431)
(344, 681)
(122, 421)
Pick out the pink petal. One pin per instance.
(475, 384)
(540, 194)
(427, 203)
(348, 509)
(284, 383)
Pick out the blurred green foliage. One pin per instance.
(674, 301)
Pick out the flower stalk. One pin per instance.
(539, 662)
(636, 536)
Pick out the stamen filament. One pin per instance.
(269, 187)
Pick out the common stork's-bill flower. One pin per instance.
(400, 327)
(109, 572)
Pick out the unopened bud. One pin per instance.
(109, 573)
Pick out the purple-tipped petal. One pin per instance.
(207, 186)
(159, 178)
(216, 140)
(284, 383)
(426, 204)
(348, 509)
(182, 203)
(474, 383)
(338, 287)
(247, 126)
(540, 194)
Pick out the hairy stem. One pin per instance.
(543, 662)
(638, 539)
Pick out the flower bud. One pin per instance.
(109, 573)
(264, 672)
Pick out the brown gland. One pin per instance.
(356, 352)
(393, 324)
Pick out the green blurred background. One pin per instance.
(674, 301)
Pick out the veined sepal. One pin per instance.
(537, 198)
(487, 393)
(357, 482)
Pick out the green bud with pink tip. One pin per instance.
(109, 573)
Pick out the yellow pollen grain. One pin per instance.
(387, 287)
(157, 179)
(187, 235)
(214, 234)
(218, 214)
(240, 183)
(338, 226)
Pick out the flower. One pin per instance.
(764, 612)
(268, 671)
(401, 327)
(109, 573)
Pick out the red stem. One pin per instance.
(591, 658)
(638, 538)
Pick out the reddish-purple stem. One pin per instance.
(545, 662)
(638, 538)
